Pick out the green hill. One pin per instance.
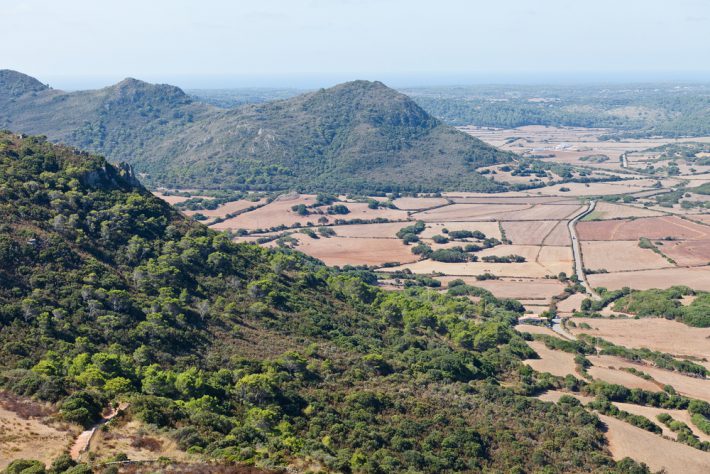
(355, 137)
(249, 355)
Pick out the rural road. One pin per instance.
(577, 249)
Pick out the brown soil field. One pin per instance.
(227, 208)
(620, 255)
(621, 377)
(685, 385)
(555, 362)
(571, 303)
(705, 218)
(652, 412)
(633, 229)
(555, 395)
(658, 453)
(559, 235)
(542, 212)
(607, 210)
(550, 261)
(657, 334)
(513, 270)
(529, 233)
(697, 278)
(30, 439)
(527, 199)
(386, 230)
(418, 203)
(490, 229)
(279, 212)
(515, 288)
(595, 189)
(355, 251)
(462, 212)
(689, 252)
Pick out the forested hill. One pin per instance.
(355, 137)
(250, 355)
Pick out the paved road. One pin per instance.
(577, 250)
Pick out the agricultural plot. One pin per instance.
(620, 255)
(658, 453)
(528, 233)
(658, 334)
(694, 277)
(355, 251)
(607, 210)
(555, 362)
(418, 203)
(633, 229)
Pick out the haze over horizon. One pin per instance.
(402, 43)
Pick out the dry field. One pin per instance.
(652, 412)
(694, 277)
(657, 334)
(619, 256)
(176, 199)
(571, 303)
(621, 377)
(355, 251)
(518, 288)
(386, 230)
(136, 440)
(633, 229)
(607, 210)
(31, 437)
(419, 203)
(689, 252)
(227, 208)
(463, 212)
(684, 385)
(658, 453)
(279, 213)
(528, 233)
(555, 362)
(490, 229)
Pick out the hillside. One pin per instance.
(355, 137)
(249, 355)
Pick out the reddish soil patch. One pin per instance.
(689, 252)
(652, 228)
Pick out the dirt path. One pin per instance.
(82, 442)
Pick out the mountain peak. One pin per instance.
(135, 90)
(15, 84)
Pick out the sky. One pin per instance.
(75, 44)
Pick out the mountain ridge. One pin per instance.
(359, 136)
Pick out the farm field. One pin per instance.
(657, 334)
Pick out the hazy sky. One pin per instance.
(203, 43)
